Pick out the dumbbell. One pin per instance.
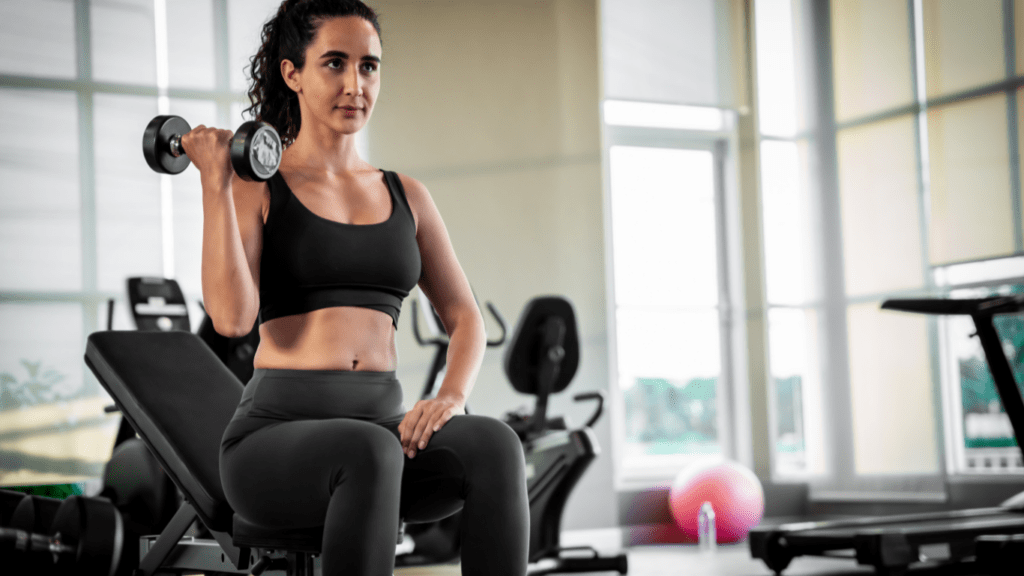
(86, 538)
(255, 148)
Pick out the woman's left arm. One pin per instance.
(445, 284)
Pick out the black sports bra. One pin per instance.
(310, 262)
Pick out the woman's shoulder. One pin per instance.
(415, 191)
(418, 198)
(410, 182)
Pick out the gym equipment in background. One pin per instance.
(159, 304)
(31, 514)
(437, 542)
(541, 360)
(255, 148)
(439, 338)
(84, 538)
(734, 492)
(893, 543)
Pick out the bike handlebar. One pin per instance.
(439, 341)
(595, 395)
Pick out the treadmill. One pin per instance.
(893, 543)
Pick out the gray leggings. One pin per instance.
(321, 448)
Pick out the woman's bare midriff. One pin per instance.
(338, 338)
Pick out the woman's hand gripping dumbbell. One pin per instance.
(255, 148)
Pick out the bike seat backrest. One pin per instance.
(524, 355)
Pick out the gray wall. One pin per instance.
(494, 106)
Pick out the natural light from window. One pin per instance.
(666, 295)
(671, 116)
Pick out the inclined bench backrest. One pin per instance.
(179, 397)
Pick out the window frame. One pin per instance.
(85, 88)
(733, 432)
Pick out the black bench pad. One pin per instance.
(179, 397)
(294, 539)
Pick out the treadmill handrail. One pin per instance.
(958, 306)
(981, 310)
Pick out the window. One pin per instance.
(670, 314)
(890, 164)
(979, 434)
(79, 209)
(792, 251)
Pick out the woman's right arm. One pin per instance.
(233, 216)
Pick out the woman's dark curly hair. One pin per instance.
(286, 37)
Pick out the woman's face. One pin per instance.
(338, 86)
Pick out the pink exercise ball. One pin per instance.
(733, 490)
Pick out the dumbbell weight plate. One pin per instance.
(34, 514)
(255, 151)
(9, 501)
(11, 559)
(93, 527)
(156, 144)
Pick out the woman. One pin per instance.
(324, 252)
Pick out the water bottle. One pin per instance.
(707, 538)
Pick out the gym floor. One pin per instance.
(687, 560)
(684, 560)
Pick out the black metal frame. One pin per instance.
(172, 550)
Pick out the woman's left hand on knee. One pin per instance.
(425, 418)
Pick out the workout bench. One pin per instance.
(179, 397)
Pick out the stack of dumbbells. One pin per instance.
(50, 537)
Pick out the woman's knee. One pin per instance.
(367, 453)
(494, 443)
(378, 449)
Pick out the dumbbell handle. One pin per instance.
(175, 146)
(255, 148)
(31, 542)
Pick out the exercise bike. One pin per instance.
(541, 360)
